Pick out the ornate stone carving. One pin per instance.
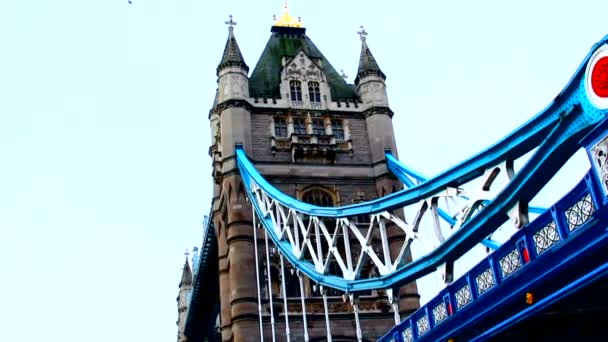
(233, 103)
(377, 110)
(293, 71)
(302, 68)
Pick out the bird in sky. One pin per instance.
(130, 3)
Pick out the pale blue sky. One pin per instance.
(105, 177)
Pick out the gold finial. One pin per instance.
(286, 20)
(362, 34)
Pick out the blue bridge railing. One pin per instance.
(580, 210)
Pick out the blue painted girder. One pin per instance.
(556, 131)
(403, 173)
(576, 260)
(522, 140)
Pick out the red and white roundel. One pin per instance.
(596, 81)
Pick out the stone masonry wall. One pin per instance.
(261, 139)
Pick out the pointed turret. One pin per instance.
(235, 86)
(186, 275)
(367, 63)
(232, 54)
(370, 79)
(371, 89)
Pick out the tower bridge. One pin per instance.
(314, 216)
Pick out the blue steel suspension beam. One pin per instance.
(556, 132)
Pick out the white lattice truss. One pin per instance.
(353, 246)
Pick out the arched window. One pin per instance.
(313, 92)
(295, 90)
(318, 196)
(323, 198)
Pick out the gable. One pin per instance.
(303, 68)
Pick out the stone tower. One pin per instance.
(316, 138)
(183, 299)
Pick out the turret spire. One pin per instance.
(232, 54)
(186, 274)
(367, 62)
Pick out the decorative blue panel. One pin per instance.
(463, 296)
(545, 237)
(408, 336)
(580, 212)
(423, 325)
(485, 281)
(510, 263)
(440, 312)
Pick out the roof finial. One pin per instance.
(286, 20)
(231, 23)
(187, 254)
(362, 34)
(343, 74)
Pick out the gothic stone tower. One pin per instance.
(316, 138)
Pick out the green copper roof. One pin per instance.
(286, 41)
